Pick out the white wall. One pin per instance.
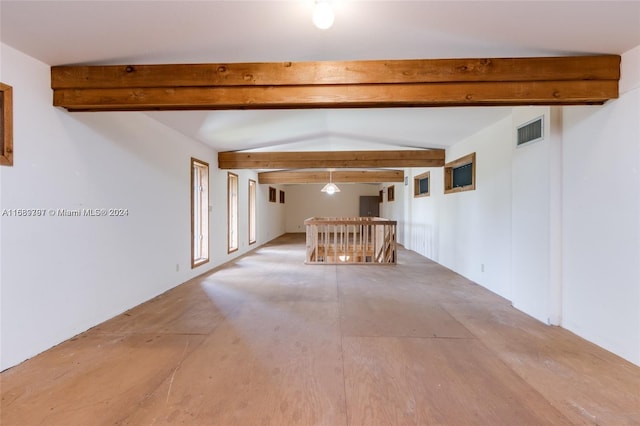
(536, 217)
(601, 237)
(270, 216)
(395, 209)
(422, 214)
(562, 214)
(63, 275)
(475, 226)
(305, 201)
(469, 232)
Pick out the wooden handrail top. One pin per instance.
(349, 221)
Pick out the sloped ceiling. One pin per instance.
(137, 32)
(307, 130)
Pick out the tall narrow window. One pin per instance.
(199, 212)
(252, 211)
(232, 211)
(6, 125)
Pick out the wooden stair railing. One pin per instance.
(351, 240)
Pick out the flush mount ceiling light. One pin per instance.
(323, 15)
(330, 188)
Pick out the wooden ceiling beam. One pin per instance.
(365, 96)
(331, 159)
(435, 82)
(322, 176)
(604, 67)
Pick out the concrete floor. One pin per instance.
(268, 340)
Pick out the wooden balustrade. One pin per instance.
(350, 240)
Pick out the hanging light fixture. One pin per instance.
(330, 188)
(323, 15)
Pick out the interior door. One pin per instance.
(369, 206)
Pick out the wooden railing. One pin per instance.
(349, 240)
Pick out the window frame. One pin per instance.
(200, 254)
(6, 125)
(416, 185)
(448, 174)
(233, 242)
(391, 193)
(253, 189)
(272, 194)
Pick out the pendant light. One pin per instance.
(330, 188)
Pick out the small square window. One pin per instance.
(272, 194)
(421, 185)
(460, 175)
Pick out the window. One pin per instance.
(281, 197)
(252, 211)
(6, 125)
(232, 211)
(272, 194)
(199, 212)
(381, 196)
(460, 175)
(421, 185)
(391, 193)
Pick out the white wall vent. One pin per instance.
(531, 131)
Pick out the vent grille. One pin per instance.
(530, 132)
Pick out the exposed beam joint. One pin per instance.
(331, 159)
(339, 176)
(397, 83)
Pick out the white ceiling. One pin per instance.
(139, 32)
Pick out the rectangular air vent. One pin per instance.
(530, 132)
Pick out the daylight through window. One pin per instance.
(232, 204)
(199, 212)
(252, 211)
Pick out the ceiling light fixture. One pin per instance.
(330, 188)
(323, 15)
